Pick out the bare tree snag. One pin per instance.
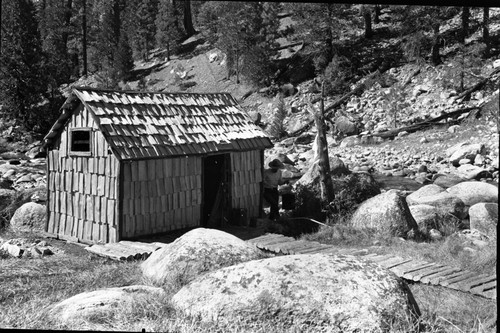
(327, 193)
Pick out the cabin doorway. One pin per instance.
(216, 176)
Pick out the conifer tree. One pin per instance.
(145, 28)
(22, 82)
(168, 32)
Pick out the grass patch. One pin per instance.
(30, 286)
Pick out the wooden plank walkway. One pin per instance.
(125, 250)
(415, 270)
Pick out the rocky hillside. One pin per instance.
(403, 96)
(377, 121)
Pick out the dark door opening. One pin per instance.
(215, 190)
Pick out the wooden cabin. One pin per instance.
(128, 164)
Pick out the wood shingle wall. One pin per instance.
(161, 195)
(83, 190)
(246, 178)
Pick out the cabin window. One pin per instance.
(81, 141)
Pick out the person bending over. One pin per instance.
(273, 178)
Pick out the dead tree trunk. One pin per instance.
(327, 194)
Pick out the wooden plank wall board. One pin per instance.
(246, 178)
(161, 195)
(82, 189)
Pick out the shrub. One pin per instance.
(277, 126)
(352, 190)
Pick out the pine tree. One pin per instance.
(145, 33)
(112, 47)
(418, 22)
(124, 62)
(168, 32)
(22, 83)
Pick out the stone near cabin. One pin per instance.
(422, 178)
(423, 192)
(426, 217)
(435, 234)
(464, 150)
(453, 129)
(445, 202)
(479, 160)
(95, 305)
(28, 217)
(387, 214)
(423, 168)
(345, 126)
(303, 139)
(9, 173)
(323, 291)
(280, 156)
(350, 141)
(473, 192)
(337, 166)
(24, 178)
(446, 181)
(468, 172)
(432, 218)
(484, 217)
(14, 250)
(197, 251)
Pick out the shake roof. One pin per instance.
(151, 124)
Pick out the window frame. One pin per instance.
(70, 143)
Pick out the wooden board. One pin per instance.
(314, 249)
(409, 267)
(413, 274)
(393, 262)
(437, 277)
(464, 275)
(465, 285)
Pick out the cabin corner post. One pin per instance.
(261, 185)
(119, 205)
(47, 190)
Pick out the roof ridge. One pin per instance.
(146, 92)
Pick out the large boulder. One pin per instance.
(323, 291)
(337, 166)
(345, 126)
(28, 217)
(96, 305)
(447, 203)
(468, 172)
(429, 217)
(196, 252)
(484, 217)
(446, 181)
(386, 214)
(474, 192)
(424, 191)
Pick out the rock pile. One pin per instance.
(24, 248)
